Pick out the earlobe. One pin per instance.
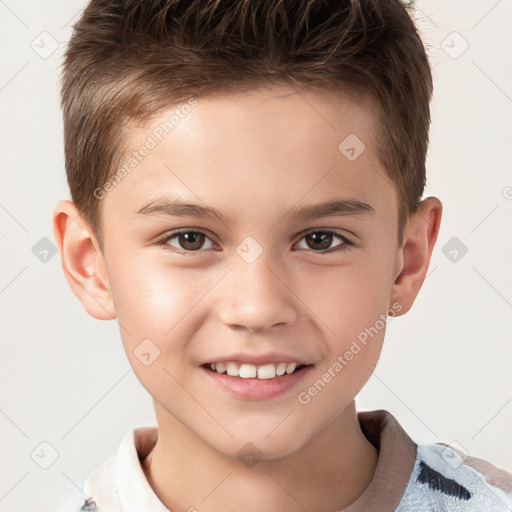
(82, 261)
(419, 239)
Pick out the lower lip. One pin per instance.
(258, 389)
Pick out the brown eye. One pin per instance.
(318, 241)
(321, 240)
(187, 240)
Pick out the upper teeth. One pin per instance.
(251, 371)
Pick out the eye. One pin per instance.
(186, 241)
(322, 239)
(189, 241)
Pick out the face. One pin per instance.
(256, 272)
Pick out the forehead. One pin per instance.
(270, 146)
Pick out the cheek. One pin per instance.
(354, 310)
(151, 297)
(155, 305)
(349, 300)
(156, 310)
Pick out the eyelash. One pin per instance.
(344, 246)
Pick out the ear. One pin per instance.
(82, 261)
(420, 235)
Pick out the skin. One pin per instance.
(254, 156)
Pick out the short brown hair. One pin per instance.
(127, 60)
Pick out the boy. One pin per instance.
(212, 151)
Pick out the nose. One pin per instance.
(256, 297)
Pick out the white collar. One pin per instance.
(120, 484)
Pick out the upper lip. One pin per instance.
(259, 359)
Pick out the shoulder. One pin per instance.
(445, 479)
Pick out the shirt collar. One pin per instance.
(134, 492)
(397, 455)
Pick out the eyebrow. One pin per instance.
(331, 208)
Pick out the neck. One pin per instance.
(329, 473)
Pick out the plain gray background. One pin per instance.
(445, 367)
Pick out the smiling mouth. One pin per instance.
(251, 371)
